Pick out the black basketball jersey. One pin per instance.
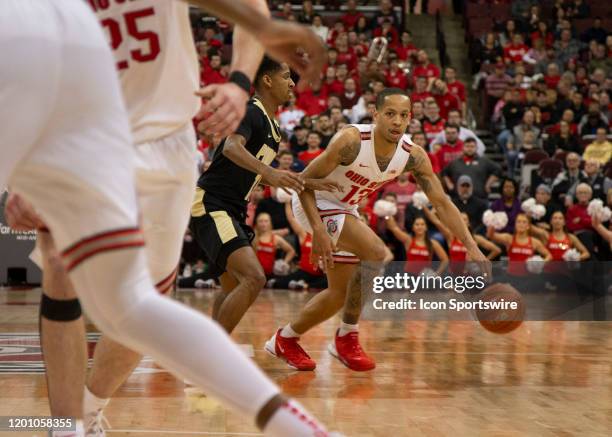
(226, 185)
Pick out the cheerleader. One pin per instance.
(266, 243)
(520, 246)
(456, 250)
(419, 247)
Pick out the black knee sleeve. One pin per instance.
(60, 310)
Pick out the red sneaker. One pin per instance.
(289, 350)
(348, 350)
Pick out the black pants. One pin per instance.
(313, 281)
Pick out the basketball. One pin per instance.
(505, 320)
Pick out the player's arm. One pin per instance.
(282, 244)
(281, 39)
(295, 226)
(227, 102)
(420, 166)
(235, 150)
(342, 150)
(432, 216)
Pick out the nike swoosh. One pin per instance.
(361, 165)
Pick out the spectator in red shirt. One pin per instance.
(577, 218)
(424, 67)
(342, 74)
(445, 100)
(336, 31)
(395, 76)
(420, 139)
(314, 148)
(387, 31)
(405, 49)
(332, 58)
(331, 85)
(312, 100)
(552, 76)
(345, 53)
(360, 48)
(209, 37)
(543, 34)
(352, 15)
(213, 74)
(418, 111)
(420, 92)
(515, 51)
(433, 124)
(452, 149)
(456, 87)
(350, 96)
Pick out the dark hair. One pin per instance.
(470, 140)
(514, 184)
(267, 66)
(428, 242)
(380, 98)
(314, 132)
(451, 125)
(283, 153)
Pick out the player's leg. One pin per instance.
(62, 334)
(244, 266)
(372, 252)
(284, 343)
(228, 283)
(165, 180)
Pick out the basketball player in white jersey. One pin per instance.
(360, 159)
(75, 162)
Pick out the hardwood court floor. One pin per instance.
(433, 378)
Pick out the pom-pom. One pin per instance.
(420, 200)
(384, 208)
(538, 211)
(528, 204)
(283, 196)
(281, 267)
(497, 220)
(571, 255)
(535, 264)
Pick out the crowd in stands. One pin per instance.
(545, 90)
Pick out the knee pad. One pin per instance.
(60, 310)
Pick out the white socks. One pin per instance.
(345, 328)
(288, 332)
(91, 403)
(293, 420)
(78, 432)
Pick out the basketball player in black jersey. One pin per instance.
(240, 163)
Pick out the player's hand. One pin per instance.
(323, 185)
(284, 179)
(483, 263)
(20, 215)
(288, 42)
(224, 109)
(322, 250)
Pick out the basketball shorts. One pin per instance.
(333, 217)
(219, 233)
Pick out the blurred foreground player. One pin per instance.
(360, 159)
(89, 205)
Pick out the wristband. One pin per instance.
(242, 80)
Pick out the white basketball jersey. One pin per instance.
(363, 176)
(157, 62)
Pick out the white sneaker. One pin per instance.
(95, 424)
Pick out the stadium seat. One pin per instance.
(535, 157)
(549, 168)
(560, 154)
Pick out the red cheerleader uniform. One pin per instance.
(518, 255)
(266, 254)
(457, 254)
(305, 264)
(417, 258)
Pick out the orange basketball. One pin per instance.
(505, 316)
